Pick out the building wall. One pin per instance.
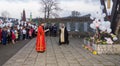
(76, 28)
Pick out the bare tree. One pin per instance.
(49, 8)
(75, 14)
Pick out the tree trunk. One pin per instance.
(48, 14)
(45, 13)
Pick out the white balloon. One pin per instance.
(100, 11)
(93, 15)
(3, 25)
(96, 23)
(32, 26)
(109, 30)
(91, 18)
(15, 31)
(96, 20)
(18, 27)
(8, 30)
(101, 19)
(103, 24)
(29, 24)
(102, 7)
(21, 27)
(103, 28)
(104, 15)
(108, 23)
(22, 23)
(25, 24)
(99, 22)
(19, 22)
(35, 27)
(11, 24)
(92, 26)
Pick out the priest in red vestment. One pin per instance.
(40, 41)
(0, 35)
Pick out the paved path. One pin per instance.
(64, 55)
(8, 50)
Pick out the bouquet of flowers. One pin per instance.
(103, 33)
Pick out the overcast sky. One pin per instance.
(15, 7)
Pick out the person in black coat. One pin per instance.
(4, 36)
(63, 35)
(54, 31)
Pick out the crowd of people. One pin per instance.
(21, 31)
(12, 34)
(53, 29)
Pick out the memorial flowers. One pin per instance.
(102, 29)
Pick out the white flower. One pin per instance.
(115, 38)
(109, 41)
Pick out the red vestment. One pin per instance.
(40, 41)
(0, 34)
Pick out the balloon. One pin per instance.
(100, 27)
(29, 24)
(8, 30)
(15, 31)
(96, 20)
(101, 19)
(108, 24)
(0, 22)
(103, 14)
(21, 27)
(91, 17)
(22, 23)
(25, 24)
(35, 27)
(92, 26)
(103, 29)
(3, 25)
(19, 22)
(32, 26)
(109, 30)
(103, 24)
(99, 23)
(100, 11)
(102, 7)
(18, 27)
(96, 23)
